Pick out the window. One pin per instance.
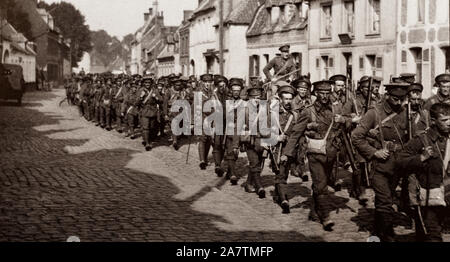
(374, 17)
(361, 63)
(379, 63)
(326, 21)
(327, 66)
(426, 55)
(372, 69)
(254, 65)
(421, 11)
(417, 53)
(349, 17)
(318, 63)
(404, 57)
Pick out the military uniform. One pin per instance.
(299, 168)
(205, 141)
(390, 136)
(105, 106)
(280, 66)
(231, 145)
(287, 118)
(149, 114)
(132, 103)
(317, 122)
(256, 153)
(431, 175)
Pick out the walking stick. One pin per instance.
(189, 148)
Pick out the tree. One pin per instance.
(107, 48)
(17, 18)
(72, 25)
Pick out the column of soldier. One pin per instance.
(385, 141)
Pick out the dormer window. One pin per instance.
(274, 14)
(289, 12)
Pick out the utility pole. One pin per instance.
(221, 36)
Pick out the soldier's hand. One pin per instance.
(282, 138)
(427, 154)
(356, 119)
(236, 151)
(374, 133)
(339, 119)
(284, 158)
(382, 154)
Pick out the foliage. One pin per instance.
(72, 26)
(17, 18)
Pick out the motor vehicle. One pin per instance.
(12, 84)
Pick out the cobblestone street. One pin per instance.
(61, 176)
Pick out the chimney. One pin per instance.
(146, 16)
(150, 11)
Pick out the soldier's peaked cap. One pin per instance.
(207, 78)
(220, 78)
(397, 89)
(284, 48)
(285, 88)
(415, 87)
(408, 77)
(324, 85)
(335, 78)
(236, 82)
(443, 78)
(254, 91)
(301, 82)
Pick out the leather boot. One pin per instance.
(201, 155)
(258, 186)
(383, 227)
(232, 172)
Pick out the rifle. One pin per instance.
(369, 95)
(409, 123)
(189, 149)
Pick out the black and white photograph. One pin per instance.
(246, 122)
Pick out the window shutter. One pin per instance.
(379, 63)
(361, 63)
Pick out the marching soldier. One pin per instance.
(105, 105)
(205, 141)
(231, 143)
(131, 115)
(178, 92)
(322, 127)
(97, 102)
(161, 89)
(218, 94)
(301, 101)
(287, 117)
(256, 153)
(149, 114)
(386, 127)
(427, 157)
(443, 95)
(117, 104)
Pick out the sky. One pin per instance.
(121, 17)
